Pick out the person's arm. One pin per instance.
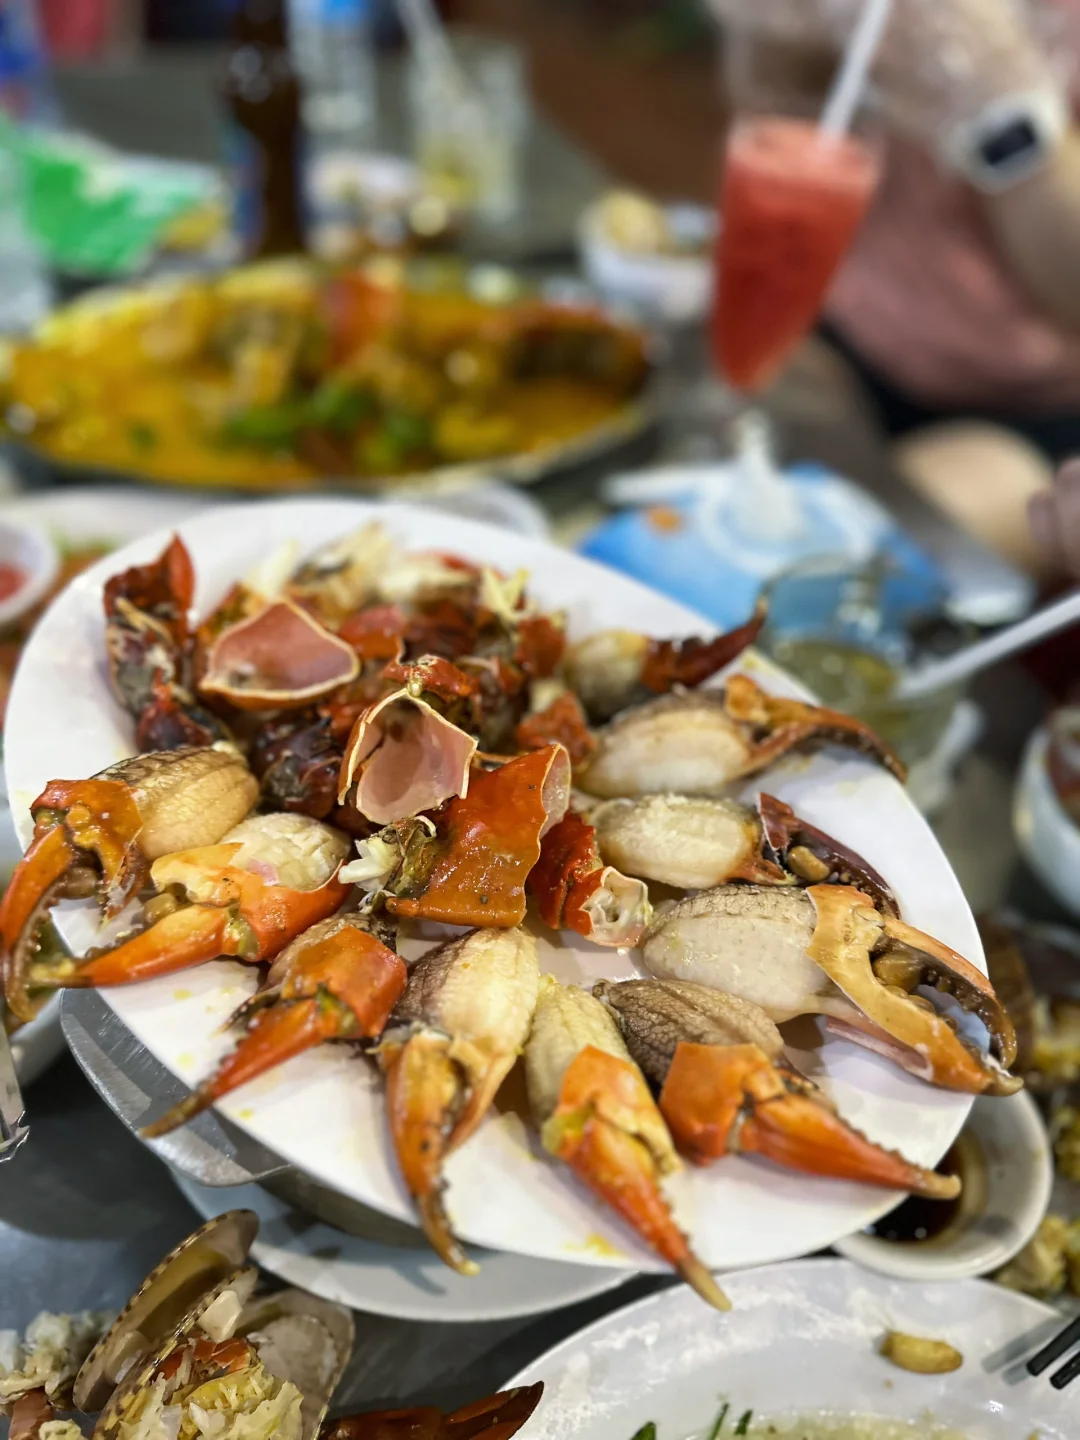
(1036, 230)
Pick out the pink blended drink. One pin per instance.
(790, 204)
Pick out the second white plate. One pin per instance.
(392, 1280)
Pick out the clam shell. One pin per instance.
(138, 1376)
(306, 1340)
(166, 1304)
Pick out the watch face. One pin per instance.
(1014, 141)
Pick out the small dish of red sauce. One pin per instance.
(28, 565)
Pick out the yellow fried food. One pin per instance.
(924, 1357)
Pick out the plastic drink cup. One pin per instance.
(791, 201)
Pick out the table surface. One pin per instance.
(85, 1210)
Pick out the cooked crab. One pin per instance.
(699, 742)
(99, 836)
(575, 890)
(594, 1111)
(696, 842)
(336, 981)
(613, 669)
(827, 950)
(456, 1032)
(149, 644)
(268, 879)
(725, 1088)
(469, 865)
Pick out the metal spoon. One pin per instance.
(961, 665)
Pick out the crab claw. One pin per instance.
(498, 1417)
(688, 841)
(281, 658)
(613, 669)
(699, 742)
(878, 962)
(271, 878)
(784, 724)
(334, 982)
(813, 856)
(99, 835)
(404, 757)
(575, 890)
(725, 1087)
(454, 1036)
(827, 951)
(474, 870)
(595, 1114)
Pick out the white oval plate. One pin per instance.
(392, 1280)
(801, 1339)
(323, 1112)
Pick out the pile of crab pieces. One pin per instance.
(372, 738)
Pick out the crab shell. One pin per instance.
(279, 659)
(302, 1339)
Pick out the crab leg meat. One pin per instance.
(595, 1113)
(334, 982)
(453, 1038)
(101, 834)
(726, 1089)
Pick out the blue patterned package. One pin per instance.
(690, 546)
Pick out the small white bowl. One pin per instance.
(1048, 839)
(1019, 1175)
(672, 288)
(32, 552)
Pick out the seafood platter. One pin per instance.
(198, 1353)
(476, 882)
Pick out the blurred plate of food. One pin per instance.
(292, 375)
(814, 1350)
(654, 259)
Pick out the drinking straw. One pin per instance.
(850, 81)
(432, 47)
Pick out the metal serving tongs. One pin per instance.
(12, 1130)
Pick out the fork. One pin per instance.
(1064, 1340)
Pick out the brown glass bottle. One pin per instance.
(262, 98)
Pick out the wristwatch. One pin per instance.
(1010, 139)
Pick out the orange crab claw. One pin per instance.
(787, 723)
(576, 891)
(404, 757)
(721, 1100)
(603, 1111)
(876, 962)
(278, 659)
(497, 1417)
(234, 912)
(337, 983)
(488, 841)
(423, 1088)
